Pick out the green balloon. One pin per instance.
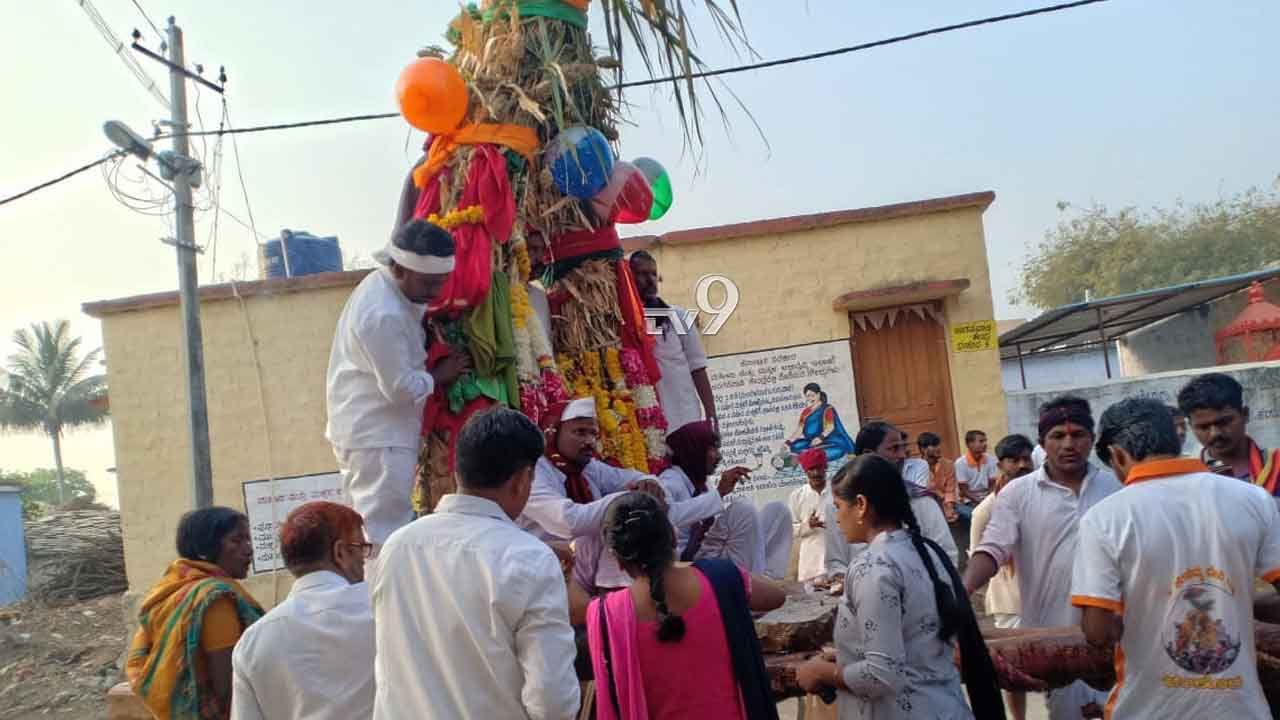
(661, 196)
(659, 182)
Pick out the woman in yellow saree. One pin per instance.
(180, 660)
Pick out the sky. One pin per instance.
(1129, 102)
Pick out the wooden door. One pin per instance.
(901, 376)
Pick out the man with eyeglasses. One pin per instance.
(312, 655)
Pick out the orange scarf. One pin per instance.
(1265, 472)
(516, 137)
(973, 462)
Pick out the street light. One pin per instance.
(126, 139)
(171, 163)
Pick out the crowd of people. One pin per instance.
(546, 565)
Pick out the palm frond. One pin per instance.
(19, 414)
(661, 34)
(81, 403)
(50, 384)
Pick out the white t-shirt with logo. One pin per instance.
(1175, 553)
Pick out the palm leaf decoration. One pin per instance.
(661, 34)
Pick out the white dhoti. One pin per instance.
(378, 483)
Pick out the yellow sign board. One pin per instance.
(974, 336)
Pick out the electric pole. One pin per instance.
(184, 171)
(188, 282)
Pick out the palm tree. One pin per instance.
(50, 389)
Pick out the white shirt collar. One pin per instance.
(471, 505)
(317, 580)
(395, 288)
(1044, 479)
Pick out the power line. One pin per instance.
(119, 48)
(289, 126)
(856, 48)
(637, 83)
(729, 70)
(147, 17)
(235, 148)
(63, 176)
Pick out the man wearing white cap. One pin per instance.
(378, 382)
(572, 489)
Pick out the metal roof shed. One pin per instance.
(1097, 322)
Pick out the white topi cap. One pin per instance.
(579, 409)
(425, 264)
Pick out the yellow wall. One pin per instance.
(148, 407)
(788, 282)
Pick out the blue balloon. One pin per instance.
(581, 161)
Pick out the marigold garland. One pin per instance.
(459, 216)
(599, 375)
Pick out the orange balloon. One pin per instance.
(432, 95)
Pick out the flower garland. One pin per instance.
(599, 375)
(473, 215)
(540, 382)
(648, 413)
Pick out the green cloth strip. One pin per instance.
(554, 9)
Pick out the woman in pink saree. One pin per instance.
(679, 643)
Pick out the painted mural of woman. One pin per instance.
(820, 427)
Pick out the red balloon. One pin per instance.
(627, 198)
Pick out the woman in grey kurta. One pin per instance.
(895, 658)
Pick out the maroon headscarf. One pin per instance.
(689, 447)
(575, 483)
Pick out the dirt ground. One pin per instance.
(59, 661)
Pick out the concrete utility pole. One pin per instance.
(188, 282)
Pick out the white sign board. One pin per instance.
(267, 513)
(766, 417)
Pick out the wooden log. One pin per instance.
(1037, 659)
(1046, 658)
(803, 624)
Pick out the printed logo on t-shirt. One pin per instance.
(1202, 634)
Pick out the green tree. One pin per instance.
(50, 388)
(40, 486)
(1111, 252)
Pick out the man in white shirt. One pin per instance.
(311, 657)
(572, 489)
(974, 471)
(684, 390)
(471, 612)
(808, 515)
(1035, 522)
(378, 382)
(1166, 570)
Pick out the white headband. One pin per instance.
(579, 409)
(425, 264)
